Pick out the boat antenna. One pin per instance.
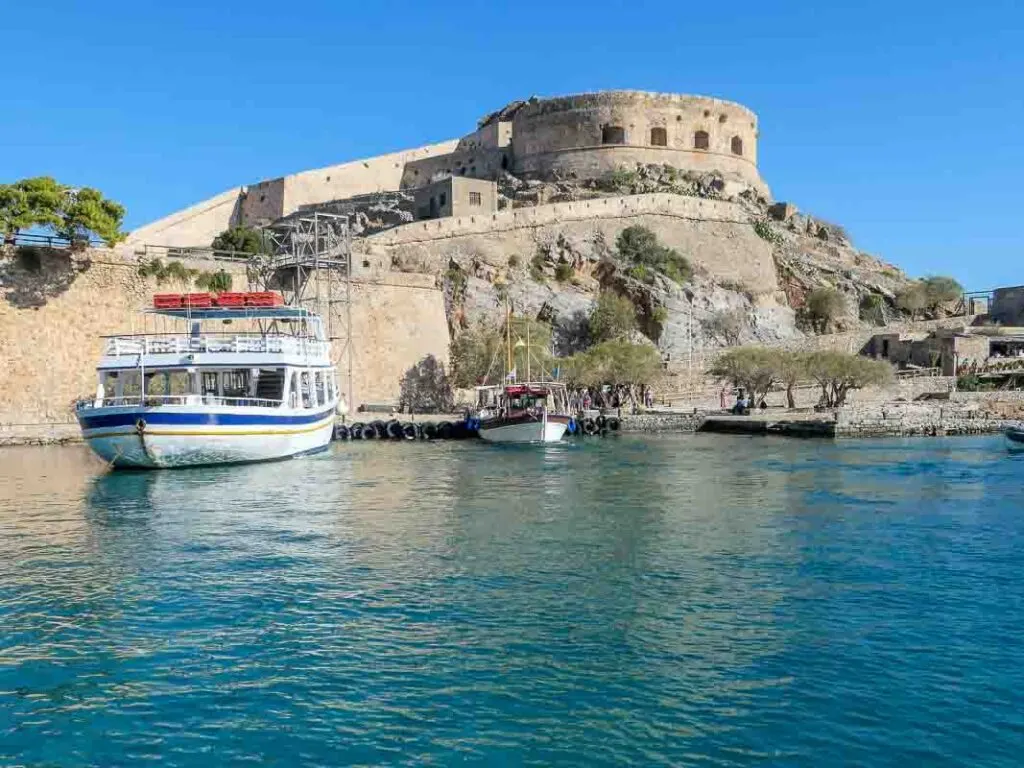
(528, 349)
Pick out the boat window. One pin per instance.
(321, 398)
(307, 393)
(236, 383)
(330, 385)
(131, 381)
(179, 383)
(270, 384)
(209, 384)
(293, 397)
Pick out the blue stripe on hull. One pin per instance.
(164, 416)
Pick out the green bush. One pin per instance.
(613, 317)
(513, 261)
(563, 272)
(639, 246)
(241, 240)
(765, 231)
(871, 308)
(823, 307)
(537, 274)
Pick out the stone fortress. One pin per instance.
(541, 188)
(571, 137)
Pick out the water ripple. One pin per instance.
(671, 601)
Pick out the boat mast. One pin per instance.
(508, 336)
(528, 349)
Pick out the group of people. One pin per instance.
(744, 403)
(614, 397)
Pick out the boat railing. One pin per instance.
(178, 344)
(161, 400)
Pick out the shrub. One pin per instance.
(425, 388)
(872, 309)
(513, 261)
(939, 290)
(639, 246)
(641, 273)
(218, 282)
(563, 272)
(613, 317)
(765, 231)
(241, 240)
(727, 325)
(754, 369)
(912, 299)
(823, 307)
(456, 279)
(537, 274)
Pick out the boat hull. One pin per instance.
(1014, 438)
(521, 430)
(158, 438)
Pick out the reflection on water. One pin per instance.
(670, 601)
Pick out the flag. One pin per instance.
(511, 376)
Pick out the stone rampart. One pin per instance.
(590, 134)
(196, 225)
(713, 234)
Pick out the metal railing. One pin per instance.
(160, 400)
(120, 346)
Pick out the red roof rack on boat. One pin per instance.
(227, 299)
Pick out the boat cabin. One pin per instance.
(242, 355)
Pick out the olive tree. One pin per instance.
(839, 372)
(74, 213)
(754, 369)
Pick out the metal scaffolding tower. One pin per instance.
(311, 261)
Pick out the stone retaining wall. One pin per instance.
(915, 419)
(663, 422)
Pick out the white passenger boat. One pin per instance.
(200, 394)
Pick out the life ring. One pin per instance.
(589, 427)
(614, 423)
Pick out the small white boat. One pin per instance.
(523, 413)
(197, 396)
(1015, 438)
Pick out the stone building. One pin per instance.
(580, 136)
(948, 349)
(1008, 306)
(455, 196)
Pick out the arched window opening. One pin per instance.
(659, 137)
(613, 134)
(701, 140)
(736, 145)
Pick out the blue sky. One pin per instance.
(903, 121)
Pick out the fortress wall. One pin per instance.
(264, 202)
(197, 225)
(713, 234)
(397, 320)
(479, 163)
(552, 135)
(51, 321)
(359, 177)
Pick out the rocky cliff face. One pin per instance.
(557, 272)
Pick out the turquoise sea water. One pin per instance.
(669, 601)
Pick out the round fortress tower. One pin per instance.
(590, 134)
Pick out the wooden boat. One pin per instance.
(522, 412)
(532, 412)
